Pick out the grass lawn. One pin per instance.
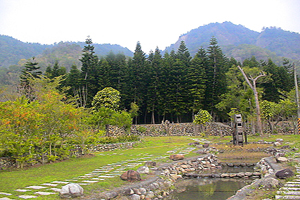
(61, 171)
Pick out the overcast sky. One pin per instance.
(125, 22)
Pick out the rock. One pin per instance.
(206, 145)
(150, 163)
(136, 191)
(285, 173)
(143, 170)
(177, 157)
(150, 195)
(281, 159)
(71, 190)
(276, 144)
(269, 183)
(135, 197)
(143, 191)
(110, 195)
(201, 151)
(131, 175)
(279, 140)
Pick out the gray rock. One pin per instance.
(281, 159)
(135, 197)
(285, 173)
(71, 190)
(270, 183)
(143, 170)
(143, 191)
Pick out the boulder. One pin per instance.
(131, 175)
(143, 170)
(285, 173)
(135, 197)
(206, 145)
(269, 183)
(281, 159)
(177, 157)
(71, 190)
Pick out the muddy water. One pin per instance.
(207, 189)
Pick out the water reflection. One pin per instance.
(207, 189)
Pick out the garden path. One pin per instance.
(100, 174)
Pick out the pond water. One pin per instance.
(207, 188)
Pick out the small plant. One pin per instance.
(141, 129)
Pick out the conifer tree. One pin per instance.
(89, 73)
(215, 77)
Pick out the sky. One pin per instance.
(153, 23)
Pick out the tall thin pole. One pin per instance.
(297, 98)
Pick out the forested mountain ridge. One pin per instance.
(13, 50)
(241, 43)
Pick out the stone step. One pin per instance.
(295, 193)
(291, 185)
(290, 188)
(286, 197)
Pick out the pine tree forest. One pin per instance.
(175, 86)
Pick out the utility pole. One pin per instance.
(297, 98)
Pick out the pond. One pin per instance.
(207, 188)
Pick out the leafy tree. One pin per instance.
(108, 98)
(105, 110)
(252, 85)
(202, 117)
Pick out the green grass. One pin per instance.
(61, 171)
(19, 179)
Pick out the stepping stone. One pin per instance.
(60, 182)
(44, 193)
(4, 198)
(291, 185)
(4, 193)
(95, 178)
(286, 197)
(50, 184)
(22, 190)
(289, 192)
(106, 176)
(27, 196)
(83, 183)
(90, 181)
(55, 189)
(292, 189)
(36, 187)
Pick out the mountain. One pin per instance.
(241, 43)
(13, 50)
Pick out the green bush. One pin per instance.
(141, 129)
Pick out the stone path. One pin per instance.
(100, 174)
(291, 190)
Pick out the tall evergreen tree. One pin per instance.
(196, 77)
(89, 73)
(31, 70)
(154, 89)
(215, 77)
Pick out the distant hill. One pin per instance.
(13, 50)
(241, 43)
(67, 53)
